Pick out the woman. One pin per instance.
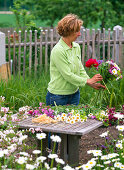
(67, 73)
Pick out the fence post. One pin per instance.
(2, 48)
(4, 67)
(117, 28)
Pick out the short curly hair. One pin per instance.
(68, 25)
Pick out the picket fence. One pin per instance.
(29, 51)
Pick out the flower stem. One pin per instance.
(54, 147)
(52, 161)
(106, 86)
(41, 146)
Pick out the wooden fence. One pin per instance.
(30, 51)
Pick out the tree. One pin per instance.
(23, 19)
(108, 12)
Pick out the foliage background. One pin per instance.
(104, 13)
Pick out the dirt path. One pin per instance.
(92, 140)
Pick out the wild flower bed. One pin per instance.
(14, 153)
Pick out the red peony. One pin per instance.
(91, 62)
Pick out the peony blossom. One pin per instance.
(91, 62)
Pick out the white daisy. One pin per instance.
(119, 145)
(41, 136)
(72, 121)
(1, 154)
(120, 127)
(21, 160)
(114, 71)
(119, 116)
(36, 152)
(121, 166)
(55, 138)
(46, 165)
(117, 164)
(104, 157)
(107, 162)
(116, 66)
(104, 134)
(41, 159)
(86, 166)
(58, 117)
(60, 161)
(97, 152)
(29, 166)
(92, 163)
(115, 160)
(68, 120)
(24, 153)
(90, 151)
(112, 155)
(52, 156)
(67, 167)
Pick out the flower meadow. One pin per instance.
(16, 153)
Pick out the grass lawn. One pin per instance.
(9, 20)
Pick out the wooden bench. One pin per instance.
(70, 135)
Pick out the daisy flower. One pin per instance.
(92, 163)
(29, 166)
(120, 127)
(104, 134)
(119, 116)
(97, 152)
(60, 161)
(41, 159)
(1, 154)
(55, 138)
(117, 164)
(86, 166)
(36, 152)
(114, 71)
(52, 156)
(72, 121)
(119, 145)
(41, 136)
(21, 160)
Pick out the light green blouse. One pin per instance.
(66, 70)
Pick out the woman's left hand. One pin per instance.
(97, 86)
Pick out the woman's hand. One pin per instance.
(94, 79)
(92, 82)
(97, 86)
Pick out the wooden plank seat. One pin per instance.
(69, 133)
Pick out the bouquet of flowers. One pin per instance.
(108, 70)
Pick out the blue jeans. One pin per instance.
(51, 99)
